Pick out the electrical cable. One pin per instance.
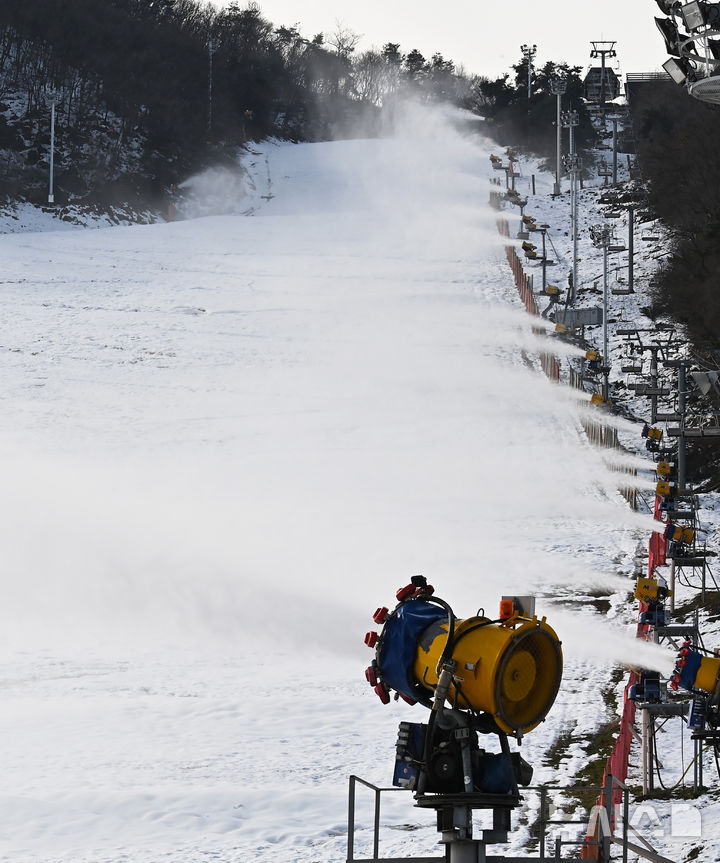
(687, 769)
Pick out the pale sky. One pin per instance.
(485, 35)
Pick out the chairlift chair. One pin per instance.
(647, 236)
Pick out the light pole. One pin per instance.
(558, 86)
(529, 52)
(211, 51)
(51, 191)
(602, 238)
(570, 120)
(614, 121)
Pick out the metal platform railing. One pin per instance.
(604, 817)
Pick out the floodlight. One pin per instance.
(669, 31)
(699, 14)
(693, 15)
(668, 6)
(677, 69)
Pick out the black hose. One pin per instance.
(446, 654)
(475, 627)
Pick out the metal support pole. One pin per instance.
(573, 197)
(351, 820)
(626, 815)
(606, 367)
(211, 49)
(644, 751)
(682, 460)
(631, 248)
(651, 751)
(575, 233)
(672, 586)
(51, 192)
(376, 831)
(529, 52)
(570, 121)
(465, 852)
(615, 151)
(608, 792)
(558, 86)
(556, 190)
(653, 383)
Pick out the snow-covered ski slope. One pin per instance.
(225, 442)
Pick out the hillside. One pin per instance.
(228, 440)
(149, 93)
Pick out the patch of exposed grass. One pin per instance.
(600, 745)
(711, 605)
(558, 748)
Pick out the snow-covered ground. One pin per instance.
(226, 441)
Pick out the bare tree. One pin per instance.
(344, 40)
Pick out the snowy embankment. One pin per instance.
(226, 442)
(678, 826)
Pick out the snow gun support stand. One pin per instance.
(455, 823)
(454, 761)
(477, 677)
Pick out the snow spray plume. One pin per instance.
(596, 638)
(620, 458)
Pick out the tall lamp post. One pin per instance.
(558, 86)
(529, 52)
(211, 51)
(570, 120)
(51, 190)
(602, 238)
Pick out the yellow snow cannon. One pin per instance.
(651, 432)
(651, 590)
(509, 668)
(665, 468)
(664, 488)
(679, 533)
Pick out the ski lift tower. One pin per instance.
(529, 52)
(603, 50)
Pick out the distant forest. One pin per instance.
(154, 88)
(148, 91)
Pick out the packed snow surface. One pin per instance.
(226, 441)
